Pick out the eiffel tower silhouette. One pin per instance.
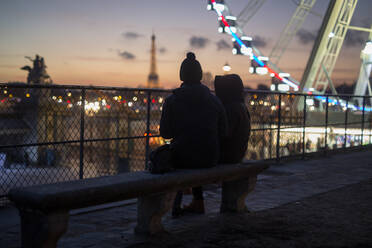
(153, 79)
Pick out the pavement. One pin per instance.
(322, 202)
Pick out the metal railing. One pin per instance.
(55, 133)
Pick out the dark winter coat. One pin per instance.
(230, 90)
(196, 121)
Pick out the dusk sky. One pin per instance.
(108, 42)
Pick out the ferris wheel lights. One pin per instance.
(230, 30)
(243, 49)
(246, 38)
(232, 18)
(284, 74)
(246, 50)
(263, 58)
(218, 5)
(293, 85)
(283, 87)
(261, 70)
(228, 24)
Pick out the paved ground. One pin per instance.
(324, 202)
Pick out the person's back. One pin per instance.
(194, 119)
(229, 89)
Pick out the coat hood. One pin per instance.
(229, 88)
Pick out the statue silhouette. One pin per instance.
(37, 74)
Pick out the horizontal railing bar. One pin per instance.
(154, 136)
(73, 141)
(80, 87)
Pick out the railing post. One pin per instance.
(278, 131)
(304, 127)
(326, 127)
(363, 114)
(346, 120)
(370, 124)
(271, 140)
(148, 128)
(82, 129)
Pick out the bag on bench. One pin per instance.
(160, 160)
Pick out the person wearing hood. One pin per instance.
(196, 121)
(230, 90)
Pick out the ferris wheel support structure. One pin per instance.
(363, 85)
(303, 9)
(249, 11)
(327, 45)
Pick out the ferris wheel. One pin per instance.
(316, 78)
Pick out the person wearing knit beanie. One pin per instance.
(196, 121)
(190, 70)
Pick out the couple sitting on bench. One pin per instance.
(205, 129)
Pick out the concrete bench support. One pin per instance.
(234, 194)
(150, 210)
(42, 230)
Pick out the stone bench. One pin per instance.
(44, 209)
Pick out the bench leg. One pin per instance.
(234, 194)
(150, 210)
(42, 230)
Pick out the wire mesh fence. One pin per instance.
(59, 133)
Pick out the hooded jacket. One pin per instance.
(196, 121)
(230, 90)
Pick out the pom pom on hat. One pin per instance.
(190, 56)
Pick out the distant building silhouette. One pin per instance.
(153, 79)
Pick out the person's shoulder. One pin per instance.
(171, 96)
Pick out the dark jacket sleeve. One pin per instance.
(166, 129)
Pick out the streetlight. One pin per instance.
(226, 68)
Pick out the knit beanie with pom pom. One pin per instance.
(190, 70)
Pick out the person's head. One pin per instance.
(190, 71)
(229, 88)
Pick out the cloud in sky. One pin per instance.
(306, 36)
(259, 41)
(10, 66)
(355, 38)
(223, 45)
(198, 42)
(163, 50)
(131, 35)
(126, 55)
(352, 38)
